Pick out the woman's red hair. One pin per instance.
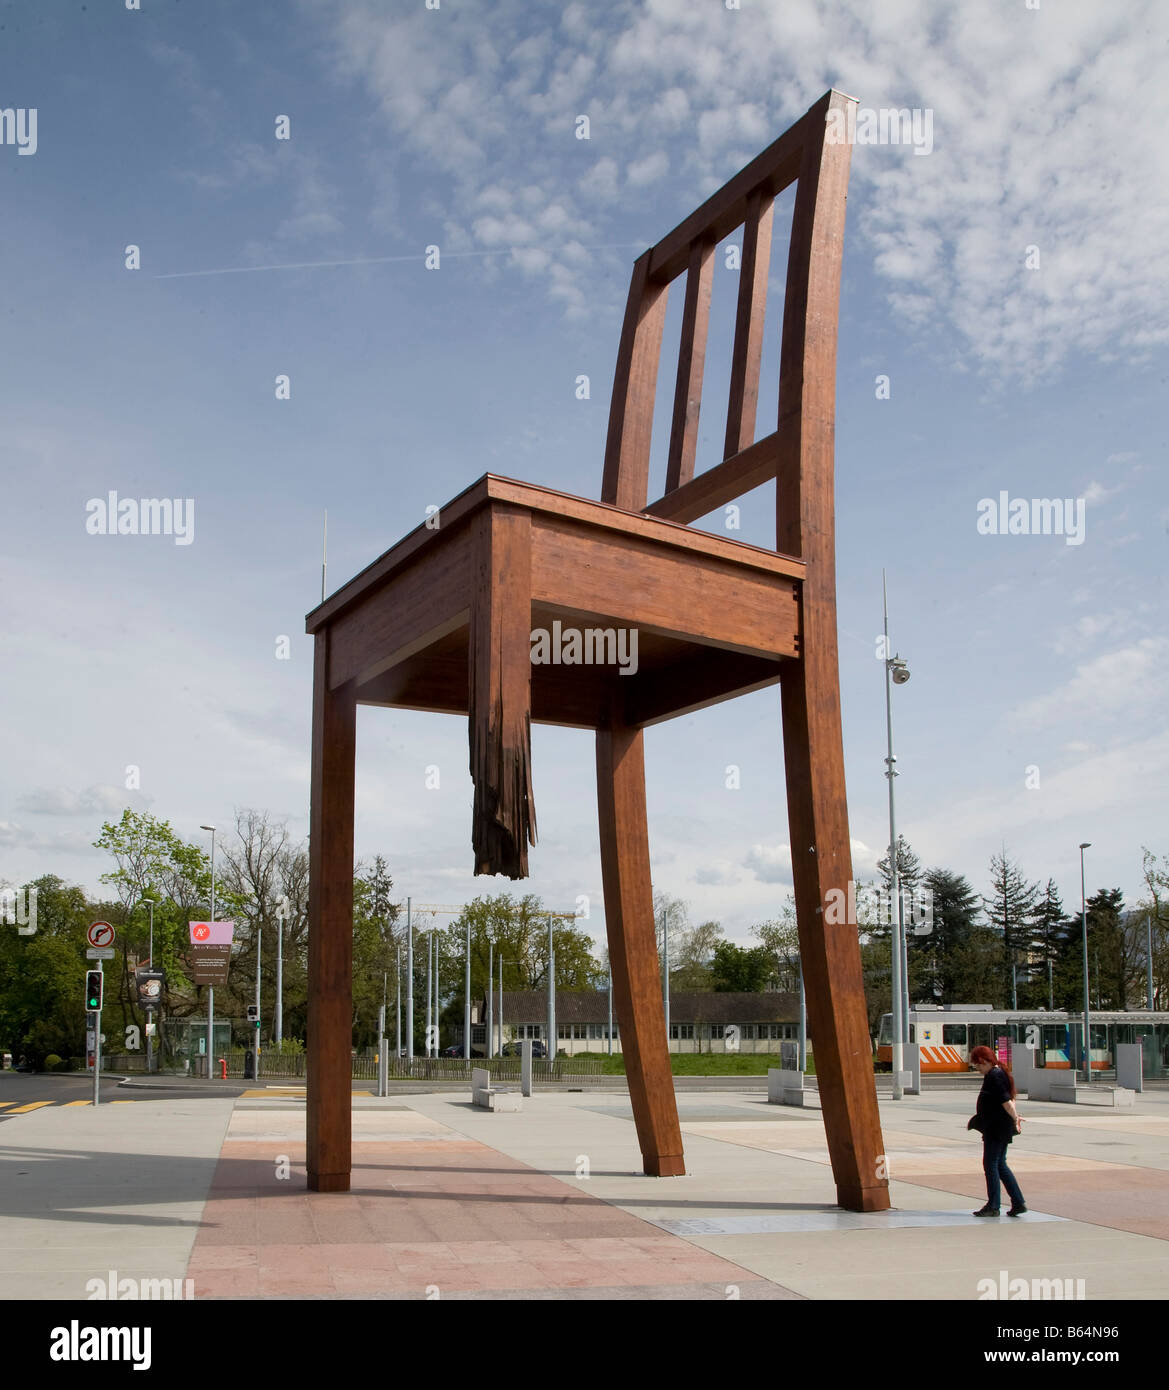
(984, 1054)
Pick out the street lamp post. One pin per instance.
(211, 988)
(1084, 923)
(666, 982)
(278, 1010)
(150, 1007)
(610, 1010)
(467, 999)
(259, 951)
(409, 989)
(429, 963)
(1149, 959)
(434, 936)
(551, 993)
(896, 673)
(490, 994)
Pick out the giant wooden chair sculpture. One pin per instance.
(443, 621)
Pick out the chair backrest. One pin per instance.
(812, 155)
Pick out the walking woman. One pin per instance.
(998, 1122)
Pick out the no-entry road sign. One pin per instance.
(100, 934)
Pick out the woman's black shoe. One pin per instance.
(1017, 1211)
(987, 1211)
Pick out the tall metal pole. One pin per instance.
(1149, 959)
(1014, 986)
(211, 988)
(467, 999)
(610, 1010)
(150, 1007)
(803, 1024)
(1050, 987)
(397, 1004)
(501, 1003)
(1084, 924)
(429, 981)
(894, 880)
(666, 981)
(490, 995)
(551, 994)
(409, 985)
(259, 950)
(437, 1025)
(96, 1016)
(278, 1011)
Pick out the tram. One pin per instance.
(945, 1033)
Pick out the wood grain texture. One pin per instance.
(422, 602)
(810, 691)
(691, 364)
(723, 483)
(629, 919)
(749, 316)
(625, 482)
(771, 171)
(330, 937)
(639, 584)
(503, 820)
(491, 487)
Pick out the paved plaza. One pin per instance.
(449, 1201)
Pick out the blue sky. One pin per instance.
(456, 127)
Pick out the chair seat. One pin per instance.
(671, 618)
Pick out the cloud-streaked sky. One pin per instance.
(457, 127)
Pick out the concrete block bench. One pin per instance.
(785, 1087)
(488, 1097)
(1077, 1093)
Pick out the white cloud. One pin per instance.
(1027, 114)
(61, 801)
(1116, 685)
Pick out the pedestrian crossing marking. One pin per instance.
(34, 1105)
(79, 1102)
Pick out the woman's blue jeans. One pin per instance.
(994, 1165)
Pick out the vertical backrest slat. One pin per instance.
(626, 477)
(806, 154)
(691, 363)
(748, 351)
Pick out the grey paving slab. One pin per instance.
(84, 1190)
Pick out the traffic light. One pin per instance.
(93, 990)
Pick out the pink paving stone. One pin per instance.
(214, 1257)
(309, 1260)
(569, 1274)
(477, 1252)
(227, 1283)
(289, 1285)
(371, 1281)
(505, 1276)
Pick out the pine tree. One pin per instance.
(1046, 929)
(1009, 911)
(951, 963)
(1108, 949)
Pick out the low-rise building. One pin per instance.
(699, 1021)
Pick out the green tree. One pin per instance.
(958, 960)
(376, 946)
(516, 931)
(1045, 930)
(1010, 910)
(42, 976)
(739, 969)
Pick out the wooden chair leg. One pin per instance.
(330, 938)
(830, 950)
(637, 986)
